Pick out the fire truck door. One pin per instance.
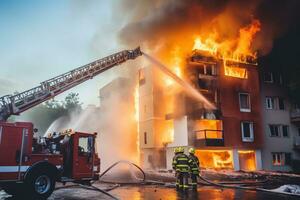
(83, 167)
(13, 144)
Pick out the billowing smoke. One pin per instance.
(163, 24)
(114, 121)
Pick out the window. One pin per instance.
(287, 158)
(277, 78)
(281, 103)
(285, 131)
(269, 103)
(281, 159)
(85, 145)
(268, 77)
(208, 70)
(274, 130)
(244, 99)
(277, 159)
(278, 130)
(275, 103)
(237, 72)
(247, 131)
(145, 138)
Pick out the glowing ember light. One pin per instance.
(247, 160)
(216, 159)
(208, 45)
(137, 118)
(210, 129)
(236, 72)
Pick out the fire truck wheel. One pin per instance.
(40, 183)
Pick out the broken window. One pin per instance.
(244, 99)
(247, 131)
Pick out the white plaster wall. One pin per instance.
(180, 132)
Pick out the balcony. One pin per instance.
(295, 116)
(209, 138)
(297, 142)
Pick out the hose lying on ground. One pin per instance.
(243, 187)
(105, 191)
(144, 181)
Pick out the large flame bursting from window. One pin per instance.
(236, 50)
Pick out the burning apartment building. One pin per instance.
(227, 137)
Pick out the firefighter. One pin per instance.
(194, 167)
(181, 166)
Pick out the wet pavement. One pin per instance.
(160, 193)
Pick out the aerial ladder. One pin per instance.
(20, 102)
(30, 166)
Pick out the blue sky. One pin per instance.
(40, 39)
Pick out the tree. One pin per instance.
(45, 114)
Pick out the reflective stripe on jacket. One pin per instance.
(194, 164)
(181, 163)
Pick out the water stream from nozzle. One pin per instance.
(185, 85)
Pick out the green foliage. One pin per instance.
(44, 114)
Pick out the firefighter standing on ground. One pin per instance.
(194, 167)
(181, 166)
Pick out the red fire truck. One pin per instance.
(32, 165)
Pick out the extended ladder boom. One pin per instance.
(16, 104)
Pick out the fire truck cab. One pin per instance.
(31, 166)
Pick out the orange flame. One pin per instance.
(237, 49)
(137, 118)
(217, 159)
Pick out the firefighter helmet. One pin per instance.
(180, 150)
(176, 150)
(192, 151)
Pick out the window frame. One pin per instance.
(251, 138)
(278, 130)
(283, 158)
(277, 155)
(249, 100)
(272, 103)
(279, 99)
(288, 130)
(268, 81)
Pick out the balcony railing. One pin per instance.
(297, 142)
(295, 115)
(209, 137)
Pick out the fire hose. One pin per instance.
(145, 181)
(105, 191)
